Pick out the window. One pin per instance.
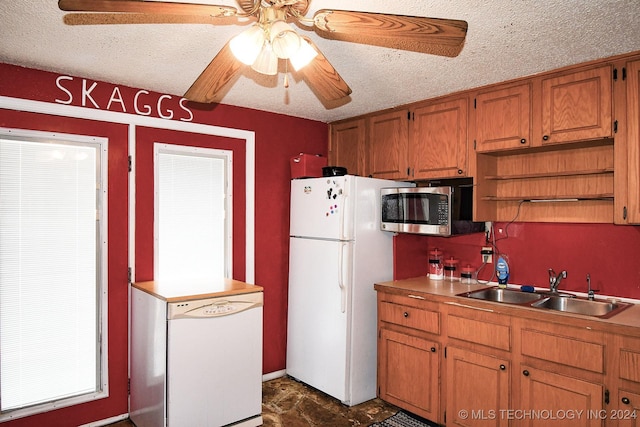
(192, 212)
(52, 271)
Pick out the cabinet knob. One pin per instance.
(460, 171)
(433, 350)
(406, 314)
(626, 400)
(523, 141)
(502, 367)
(525, 373)
(545, 138)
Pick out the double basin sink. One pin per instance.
(562, 302)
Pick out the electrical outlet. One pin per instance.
(487, 254)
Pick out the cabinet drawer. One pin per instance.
(411, 317)
(565, 347)
(483, 328)
(629, 358)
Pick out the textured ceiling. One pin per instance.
(506, 39)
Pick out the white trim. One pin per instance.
(106, 421)
(153, 122)
(273, 375)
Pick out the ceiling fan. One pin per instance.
(272, 38)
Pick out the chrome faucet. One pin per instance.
(555, 279)
(591, 294)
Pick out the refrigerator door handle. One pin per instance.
(341, 281)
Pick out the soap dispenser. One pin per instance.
(502, 271)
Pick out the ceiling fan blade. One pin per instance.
(323, 79)
(136, 18)
(220, 71)
(139, 6)
(444, 37)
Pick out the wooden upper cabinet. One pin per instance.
(633, 141)
(503, 118)
(577, 106)
(388, 144)
(438, 147)
(347, 146)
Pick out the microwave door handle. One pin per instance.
(341, 281)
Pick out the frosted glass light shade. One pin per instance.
(284, 40)
(266, 62)
(247, 45)
(303, 56)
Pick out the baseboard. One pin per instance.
(107, 421)
(273, 375)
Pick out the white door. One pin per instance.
(320, 207)
(317, 314)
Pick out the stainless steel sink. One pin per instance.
(509, 296)
(603, 309)
(563, 302)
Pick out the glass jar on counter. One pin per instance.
(436, 268)
(466, 275)
(451, 270)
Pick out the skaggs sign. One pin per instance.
(86, 94)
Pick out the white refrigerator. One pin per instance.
(336, 254)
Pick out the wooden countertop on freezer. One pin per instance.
(186, 290)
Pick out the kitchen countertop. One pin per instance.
(186, 290)
(627, 321)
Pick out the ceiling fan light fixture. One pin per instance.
(303, 56)
(247, 45)
(267, 61)
(284, 40)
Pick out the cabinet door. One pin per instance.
(633, 140)
(409, 373)
(346, 146)
(503, 118)
(478, 389)
(577, 106)
(559, 400)
(627, 410)
(388, 142)
(438, 146)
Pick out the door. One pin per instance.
(409, 373)
(556, 393)
(503, 118)
(478, 389)
(577, 106)
(321, 208)
(317, 314)
(388, 145)
(438, 147)
(347, 146)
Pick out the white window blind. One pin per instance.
(193, 212)
(50, 261)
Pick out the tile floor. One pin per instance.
(289, 403)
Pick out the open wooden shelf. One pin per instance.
(550, 174)
(551, 199)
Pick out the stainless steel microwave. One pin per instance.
(442, 210)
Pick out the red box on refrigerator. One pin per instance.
(307, 166)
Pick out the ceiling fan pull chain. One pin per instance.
(286, 74)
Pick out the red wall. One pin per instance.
(609, 253)
(277, 137)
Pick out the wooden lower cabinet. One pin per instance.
(552, 399)
(409, 373)
(478, 390)
(466, 366)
